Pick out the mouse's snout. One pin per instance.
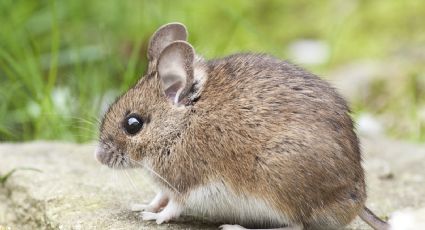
(100, 154)
(111, 156)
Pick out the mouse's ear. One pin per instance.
(164, 36)
(175, 70)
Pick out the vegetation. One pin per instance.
(6, 176)
(62, 62)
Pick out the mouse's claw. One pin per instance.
(159, 218)
(148, 216)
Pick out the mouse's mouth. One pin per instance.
(112, 157)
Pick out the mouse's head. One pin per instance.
(148, 119)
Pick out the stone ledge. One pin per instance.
(74, 192)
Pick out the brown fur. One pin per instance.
(262, 126)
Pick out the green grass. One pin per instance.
(61, 62)
(6, 176)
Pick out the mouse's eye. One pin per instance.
(132, 124)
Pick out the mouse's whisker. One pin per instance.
(131, 181)
(162, 178)
(113, 161)
(155, 173)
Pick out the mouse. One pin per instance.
(247, 140)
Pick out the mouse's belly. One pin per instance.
(219, 203)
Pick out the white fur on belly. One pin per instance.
(219, 202)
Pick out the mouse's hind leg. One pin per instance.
(159, 201)
(238, 227)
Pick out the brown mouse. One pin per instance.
(248, 140)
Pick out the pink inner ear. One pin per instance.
(171, 92)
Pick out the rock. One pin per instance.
(73, 191)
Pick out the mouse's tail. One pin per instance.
(371, 219)
(407, 219)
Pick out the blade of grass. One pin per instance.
(6, 176)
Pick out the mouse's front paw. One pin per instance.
(158, 217)
(172, 210)
(148, 215)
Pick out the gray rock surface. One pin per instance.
(73, 191)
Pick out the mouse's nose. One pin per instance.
(99, 154)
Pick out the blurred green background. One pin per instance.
(62, 62)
